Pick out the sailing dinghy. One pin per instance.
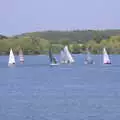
(88, 58)
(67, 56)
(106, 59)
(21, 56)
(11, 61)
(53, 60)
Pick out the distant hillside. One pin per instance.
(73, 36)
(77, 41)
(3, 37)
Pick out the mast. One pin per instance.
(50, 54)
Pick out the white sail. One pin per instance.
(62, 56)
(68, 56)
(106, 59)
(21, 56)
(11, 58)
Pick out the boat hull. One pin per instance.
(54, 64)
(65, 62)
(21, 62)
(107, 63)
(89, 62)
(11, 65)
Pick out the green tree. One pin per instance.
(75, 48)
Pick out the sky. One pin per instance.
(20, 16)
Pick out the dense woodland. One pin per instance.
(77, 40)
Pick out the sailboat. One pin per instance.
(21, 56)
(68, 56)
(88, 58)
(11, 61)
(53, 60)
(63, 57)
(106, 59)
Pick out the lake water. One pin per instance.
(36, 91)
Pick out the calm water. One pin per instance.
(36, 91)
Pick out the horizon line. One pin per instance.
(59, 30)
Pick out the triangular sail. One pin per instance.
(11, 58)
(68, 56)
(62, 57)
(106, 59)
(21, 56)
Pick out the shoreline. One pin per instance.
(55, 54)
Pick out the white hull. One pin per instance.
(11, 65)
(63, 62)
(53, 64)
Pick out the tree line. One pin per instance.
(78, 41)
